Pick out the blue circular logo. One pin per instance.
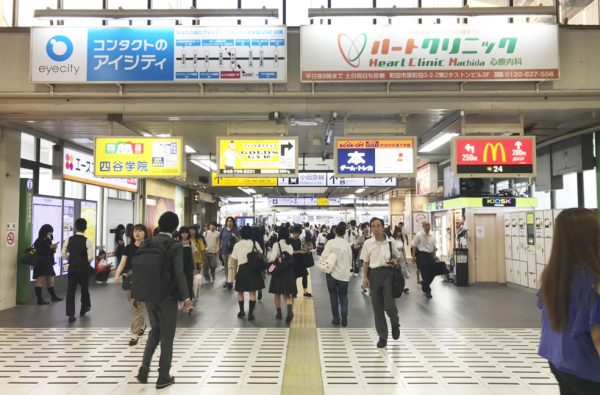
(59, 48)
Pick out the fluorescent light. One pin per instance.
(82, 140)
(359, 190)
(200, 165)
(146, 134)
(350, 197)
(30, 121)
(163, 135)
(212, 164)
(437, 141)
(190, 150)
(244, 190)
(250, 190)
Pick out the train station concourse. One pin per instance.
(299, 197)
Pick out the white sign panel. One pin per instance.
(429, 53)
(380, 182)
(334, 181)
(79, 166)
(159, 54)
(304, 180)
(11, 234)
(292, 201)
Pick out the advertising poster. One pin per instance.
(418, 219)
(159, 54)
(89, 213)
(375, 156)
(155, 207)
(362, 53)
(138, 157)
(48, 210)
(494, 156)
(257, 156)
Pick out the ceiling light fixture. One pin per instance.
(163, 135)
(359, 190)
(246, 191)
(200, 164)
(437, 141)
(431, 11)
(146, 134)
(156, 13)
(190, 150)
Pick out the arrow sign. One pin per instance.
(289, 146)
(470, 148)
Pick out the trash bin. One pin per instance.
(461, 267)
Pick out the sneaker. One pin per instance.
(142, 375)
(72, 319)
(382, 343)
(355, 274)
(406, 290)
(162, 383)
(396, 332)
(344, 321)
(84, 310)
(230, 286)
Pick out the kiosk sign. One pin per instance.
(493, 157)
(375, 156)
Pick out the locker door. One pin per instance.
(539, 225)
(516, 270)
(523, 275)
(514, 246)
(547, 250)
(507, 225)
(508, 265)
(514, 224)
(508, 247)
(522, 222)
(532, 280)
(523, 249)
(539, 251)
(548, 224)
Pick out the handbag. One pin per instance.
(397, 282)
(257, 260)
(281, 265)
(126, 281)
(29, 257)
(439, 268)
(309, 260)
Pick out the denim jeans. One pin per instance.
(338, 295)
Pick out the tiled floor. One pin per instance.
(434, 361)
(99, 361)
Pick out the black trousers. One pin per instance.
(573, 385)
(188, 271)
(163, 319)
(78, 277)
(355, 267)
(425, 261)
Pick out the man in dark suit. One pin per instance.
(163, 314)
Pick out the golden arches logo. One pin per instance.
(494, 149)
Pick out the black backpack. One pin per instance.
(257, 260)
(152, 275)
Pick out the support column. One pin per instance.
(597, 143)
(10, 164)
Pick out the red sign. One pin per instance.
(10, 239)
(490, 155)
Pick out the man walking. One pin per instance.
(80, 252)
(379, 255)
(423, 249)
(351, 237)
(163, 314)
(209, 268)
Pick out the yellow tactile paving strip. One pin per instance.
(302, 373)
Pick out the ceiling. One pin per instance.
(201, 133)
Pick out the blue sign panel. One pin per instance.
(130, 54)
(356, 161)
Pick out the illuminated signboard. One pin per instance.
(427, 179)
(138, 157)
(493, 156)
(500, 202)
(79, 166)
(242, 182)
(301, 201)
(257, 156)
(304, 179)
(375, 156)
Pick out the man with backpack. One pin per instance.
(158, 280)
(80, 252)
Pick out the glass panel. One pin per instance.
(83, 5)
(544, 201)
(582, 12)
(208, 4)
(590, 194)
(131, 5)
(26, 8)
(49, 186)
(27, 146)
(567, 197)
(26, 173)
(113, 193)
(46, 148)
(125, 195)
(502, 185)
(446, 20)
(297, 11)
(73, 190)
(6, 13)
(92, 192)
(354, 20)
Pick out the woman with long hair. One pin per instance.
(199, 243)
(43, 270)
(139, 234)
(283, 284)
(227, 238)
(570, 301)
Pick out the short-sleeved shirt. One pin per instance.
(423, 242)
(278, 250)
(241, 250)
(212, 241)
(129, 252)
(378, 253)
(572, 351)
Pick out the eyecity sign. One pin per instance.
(429, 53)
(494, 156)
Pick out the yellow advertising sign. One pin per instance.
(257, 156)
(322, 201)
(243, 182)
(138, 157)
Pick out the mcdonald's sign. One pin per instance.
(493, 157)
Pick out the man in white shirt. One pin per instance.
(423, 249)
(337, 280)
(209, 268)
(351, 236)
(379, 255)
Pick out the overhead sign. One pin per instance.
(293, 201)
(257, 156)
(493, 156)
(242, 182)
(79, 166)
(500, 202)
(427, 179)
(377, 156)
(304, 180)
(428, 53)
(139, 157)
(480, 202)
(169, 54)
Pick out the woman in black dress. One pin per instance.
(283, 284)
(43, 270)
(300, 260)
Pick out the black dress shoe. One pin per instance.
(251, 317)
(162, 383)
(72, 319)
(84, 310)
(344, 321)
(42, 302)
(55, 299)
(335, 322)
(396, 332)
(428, 295)
(381, 343)
(307, 295)
(142, 375)
(241, 314)
(141, 332)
